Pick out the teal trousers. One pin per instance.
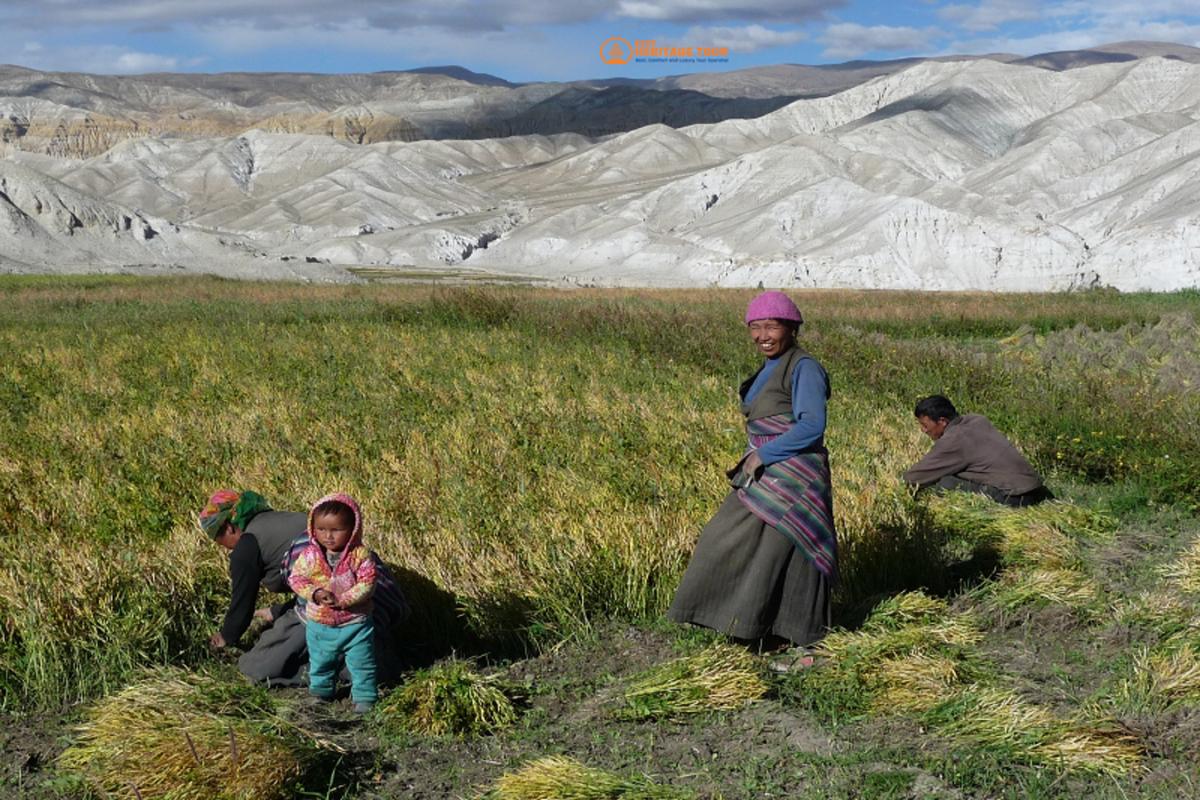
(327, 645)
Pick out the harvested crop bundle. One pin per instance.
(720, 678)
(562, 778)
(450, 699)
(189, 736)
(1002, 721)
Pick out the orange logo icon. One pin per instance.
(615, 50)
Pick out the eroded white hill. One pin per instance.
(949, 175)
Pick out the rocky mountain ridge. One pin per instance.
(77, 115)
(967, 174)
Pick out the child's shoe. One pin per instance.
(363, 708)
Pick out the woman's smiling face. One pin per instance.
(771, 336)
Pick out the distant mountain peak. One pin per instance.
(463, 74)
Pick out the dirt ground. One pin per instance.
(762, 751)
(765, 750)
(769, 749)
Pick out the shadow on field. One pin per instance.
(439, 626)
(921, 556)
(435, 627)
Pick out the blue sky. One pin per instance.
(528, 40)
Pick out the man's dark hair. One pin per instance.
(935, 407)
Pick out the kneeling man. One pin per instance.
(970, 455)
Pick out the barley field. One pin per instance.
(537, 464)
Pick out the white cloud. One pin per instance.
(991, 14)
(1082, 38)
(1126, 10)
(1075, 20)
(513, 54)
(851, 40)
(98, 59)
(145, 62)
(65, 15)
(742, 40)
(461, 15)
(357, 35)
(713, 10)
(502, 35)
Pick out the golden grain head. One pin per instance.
(188, 737)
(1110, 752)
(1163, 610)
(914, 683)
(957, 629)
(839, 644)
(978, 518)
(1064, 587)
(1001, 718)
(969, 516)
(1184, 572)
(557, 776)
(450, 699)
(881, 639)
(1039, 545)
(907, 607)
(564, 778)
(721, 677)
(1171, 675)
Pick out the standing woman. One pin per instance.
(766, 562)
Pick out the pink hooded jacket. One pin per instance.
(351, 582)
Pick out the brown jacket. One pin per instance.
(972, 449)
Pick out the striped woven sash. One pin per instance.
(794, 495)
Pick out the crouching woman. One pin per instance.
(259, 540)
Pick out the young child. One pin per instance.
(335, 577)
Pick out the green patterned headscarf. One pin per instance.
(227, 505)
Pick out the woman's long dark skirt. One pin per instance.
(747, 580)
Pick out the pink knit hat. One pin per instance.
(773, 305)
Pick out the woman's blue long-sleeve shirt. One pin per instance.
(810, 388)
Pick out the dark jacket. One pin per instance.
(257, 560)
